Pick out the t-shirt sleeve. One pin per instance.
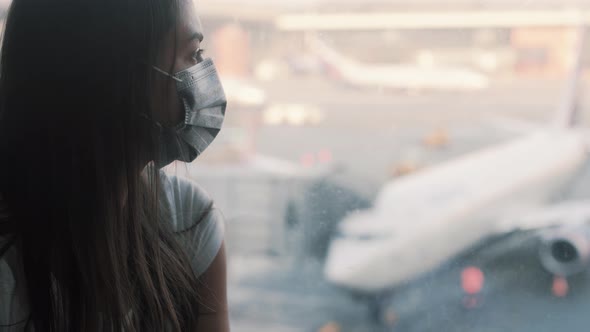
(195, 219)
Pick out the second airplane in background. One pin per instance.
(396, 76)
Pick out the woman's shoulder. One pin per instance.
(195, 219)
(186, 202)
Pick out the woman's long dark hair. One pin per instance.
(74, 76)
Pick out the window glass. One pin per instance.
(407, 165)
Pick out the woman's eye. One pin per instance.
(198, 55)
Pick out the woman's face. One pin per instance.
(181, 50)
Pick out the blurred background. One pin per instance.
(334, 103)
(397, 165)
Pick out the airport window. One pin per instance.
(403, 167)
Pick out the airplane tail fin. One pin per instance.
(567, 113)
(326, 53)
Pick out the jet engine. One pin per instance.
(565, 252)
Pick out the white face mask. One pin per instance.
(204, 101)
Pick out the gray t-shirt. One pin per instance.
(183, 200)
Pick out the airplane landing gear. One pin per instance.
(381, 311)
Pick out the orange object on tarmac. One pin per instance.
(472, 280)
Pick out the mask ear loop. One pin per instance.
(166, 73)
(172, 77)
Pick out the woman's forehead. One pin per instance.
(190, 23)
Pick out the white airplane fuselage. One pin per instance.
(422, 220)
(398, 76)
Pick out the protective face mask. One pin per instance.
(204, 101)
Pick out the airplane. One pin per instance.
(422, 220)
(398, 76)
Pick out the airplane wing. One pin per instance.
(569, 213)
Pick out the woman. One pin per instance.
(96, 97)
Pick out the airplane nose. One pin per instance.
(347, 264)
(369, 265)
(340, 268)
